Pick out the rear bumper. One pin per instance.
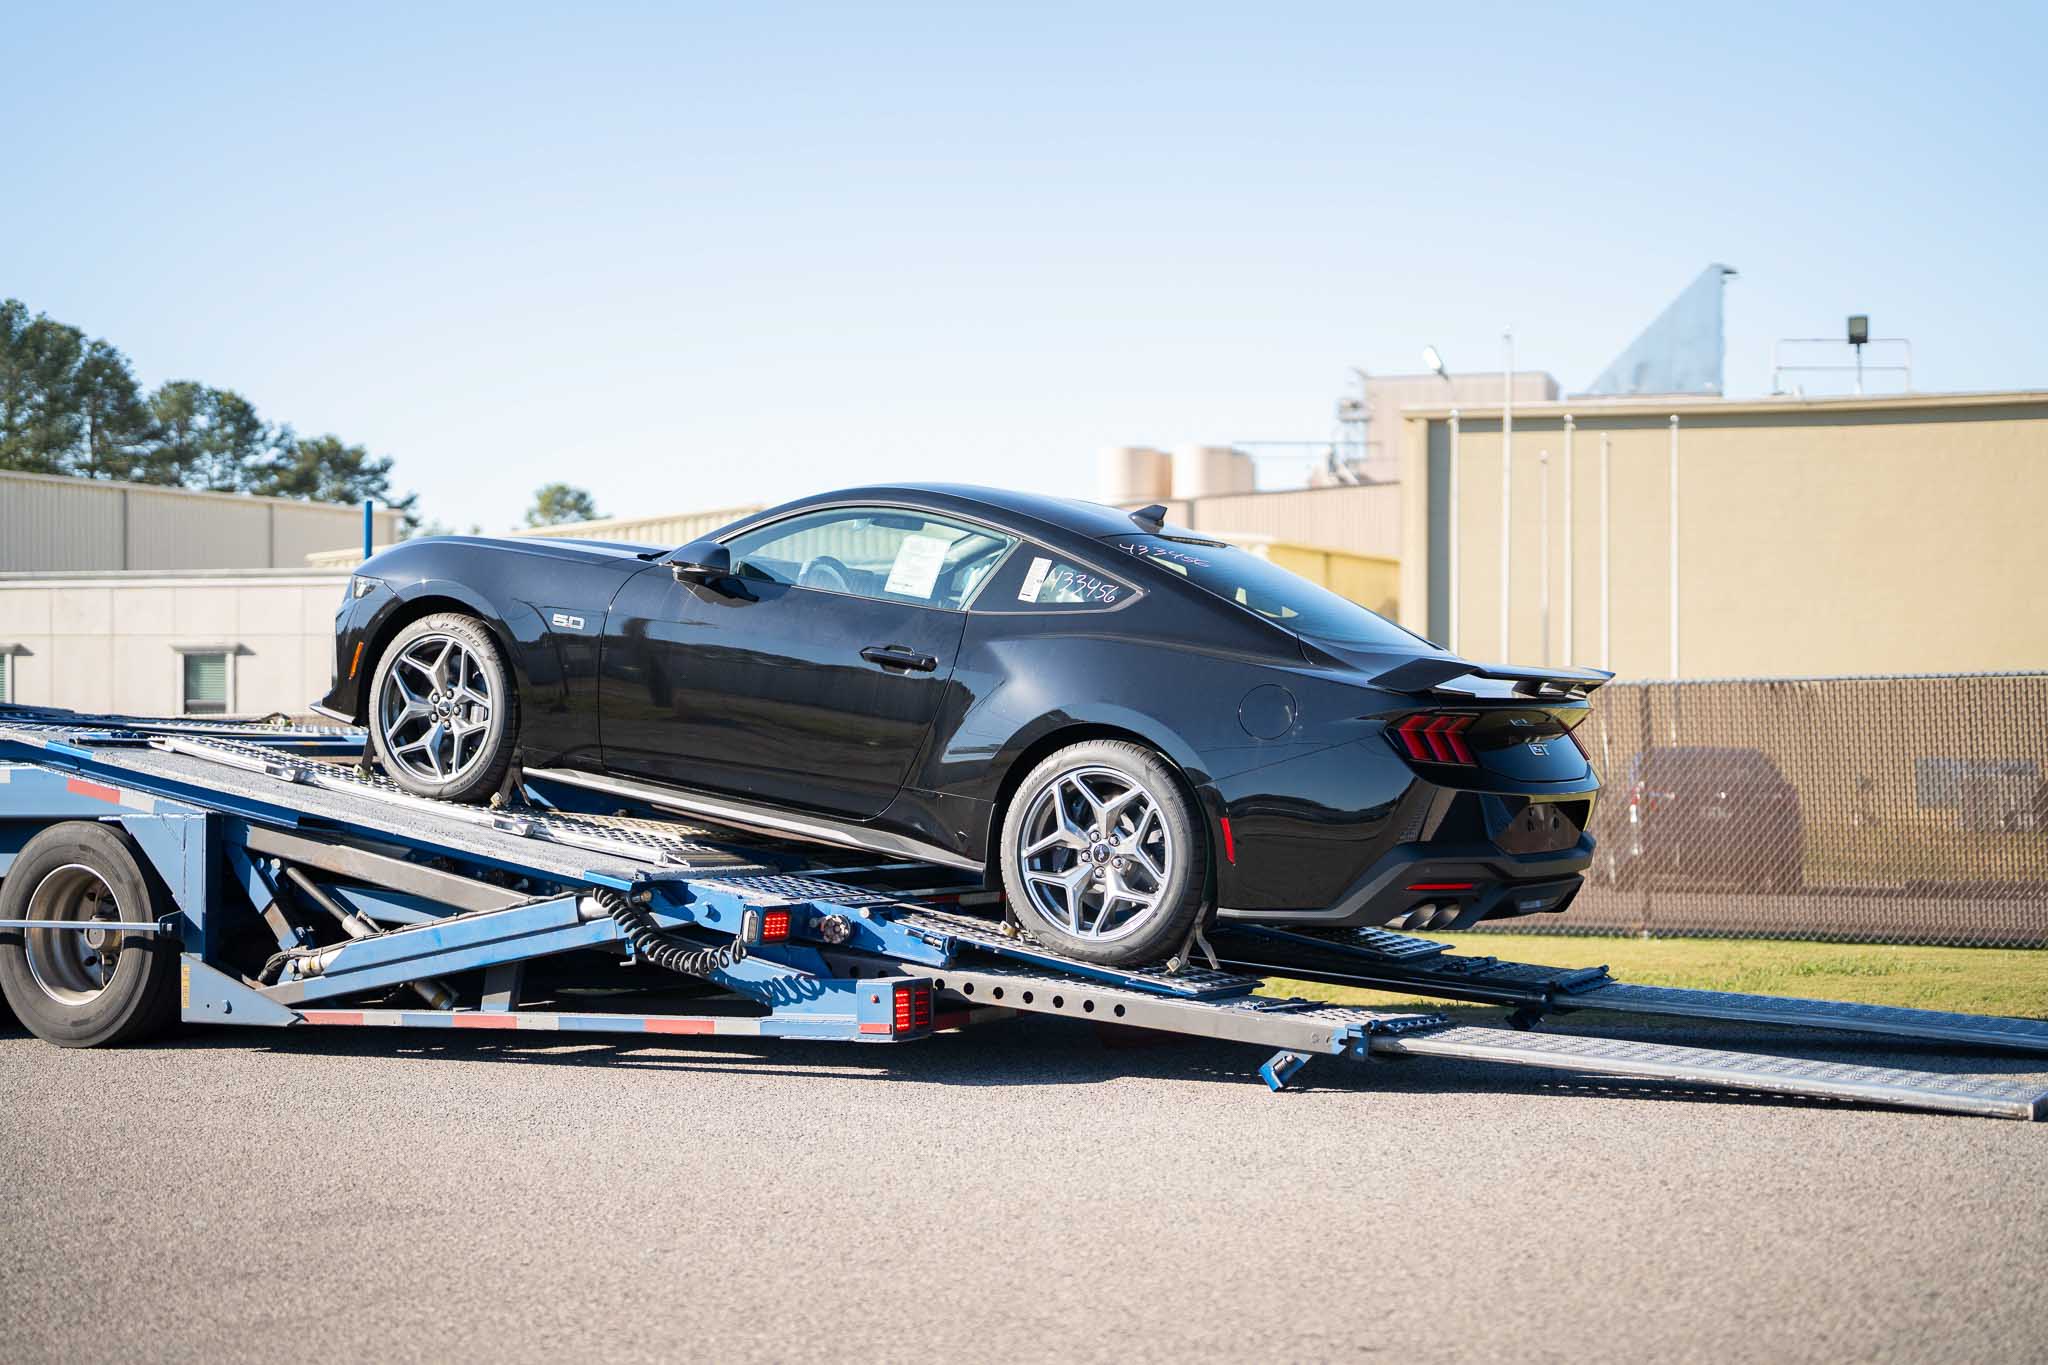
(1444, 887)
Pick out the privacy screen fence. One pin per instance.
(1884, 810)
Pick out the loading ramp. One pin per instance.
(561, 916)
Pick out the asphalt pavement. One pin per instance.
(1028, 1190)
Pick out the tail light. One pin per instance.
(1573, 735)
(913, 1008)
(1435, 737)
(775, 926)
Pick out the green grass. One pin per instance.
(2009, 981)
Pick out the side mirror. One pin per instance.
(701, 561)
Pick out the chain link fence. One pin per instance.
(1908, 809)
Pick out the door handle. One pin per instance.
(896, 656)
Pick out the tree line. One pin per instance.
(71, 405)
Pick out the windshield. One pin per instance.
(1286, 599)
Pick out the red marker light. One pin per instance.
(1229, 843)
(775, 926)
(913, 1008)
(1442, 886)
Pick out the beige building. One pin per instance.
(49, 523)
(167, 644)
(1388, 396)
(1812, 536)
(673, 529)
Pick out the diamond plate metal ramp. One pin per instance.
(1990, 1097)
(1358, 959)
(1987, 1030)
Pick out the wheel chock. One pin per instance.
(1281, 1068)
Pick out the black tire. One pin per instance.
(1181, 850)
(62, 873)
(482, 769)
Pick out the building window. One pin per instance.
(6, 675)
(206, 682)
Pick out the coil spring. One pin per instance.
(663, 949)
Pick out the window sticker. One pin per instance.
(916, 570)
(1034, 580)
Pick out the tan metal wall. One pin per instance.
(1815, 537)
(109, 642)
(1364, 520)
(1387, 394)
(67, 525)
(678, 528)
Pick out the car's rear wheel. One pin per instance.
(1103, 854)
(443, 716)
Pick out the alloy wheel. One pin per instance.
(1095, 853)
(435, 710)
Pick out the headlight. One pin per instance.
(359, 587)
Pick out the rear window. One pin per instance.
(1264, 589)
(1036, 579)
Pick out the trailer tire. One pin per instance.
(58, 981)
(1153, 846)
(420, 742)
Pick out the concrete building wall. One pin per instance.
(1826, 536)
(116, 642)
(50, 524)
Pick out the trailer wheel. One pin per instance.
(1103, 856)
(86, 987)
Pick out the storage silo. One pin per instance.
(1204, 471)
(1134, 474)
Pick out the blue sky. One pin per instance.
(691, 256)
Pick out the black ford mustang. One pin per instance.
(1127, 725)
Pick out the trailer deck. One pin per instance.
(300, 891)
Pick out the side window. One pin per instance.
(1036, 579)
(889, 554)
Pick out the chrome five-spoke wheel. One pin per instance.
(435, 710)
(1096, 856)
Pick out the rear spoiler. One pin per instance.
(1429, 673)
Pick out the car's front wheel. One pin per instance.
(1104, 856)
(443, 716)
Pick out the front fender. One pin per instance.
(369, 623)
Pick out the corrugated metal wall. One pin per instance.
(54, 525)
(58, 524)
(1364, 520)
(677, 529)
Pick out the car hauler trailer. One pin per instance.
(249, 874)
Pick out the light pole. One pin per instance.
(1571, 651)
(1606, 557)
(1435, 361)
(1674, 547)
(1543, 552)
(1507, 490)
